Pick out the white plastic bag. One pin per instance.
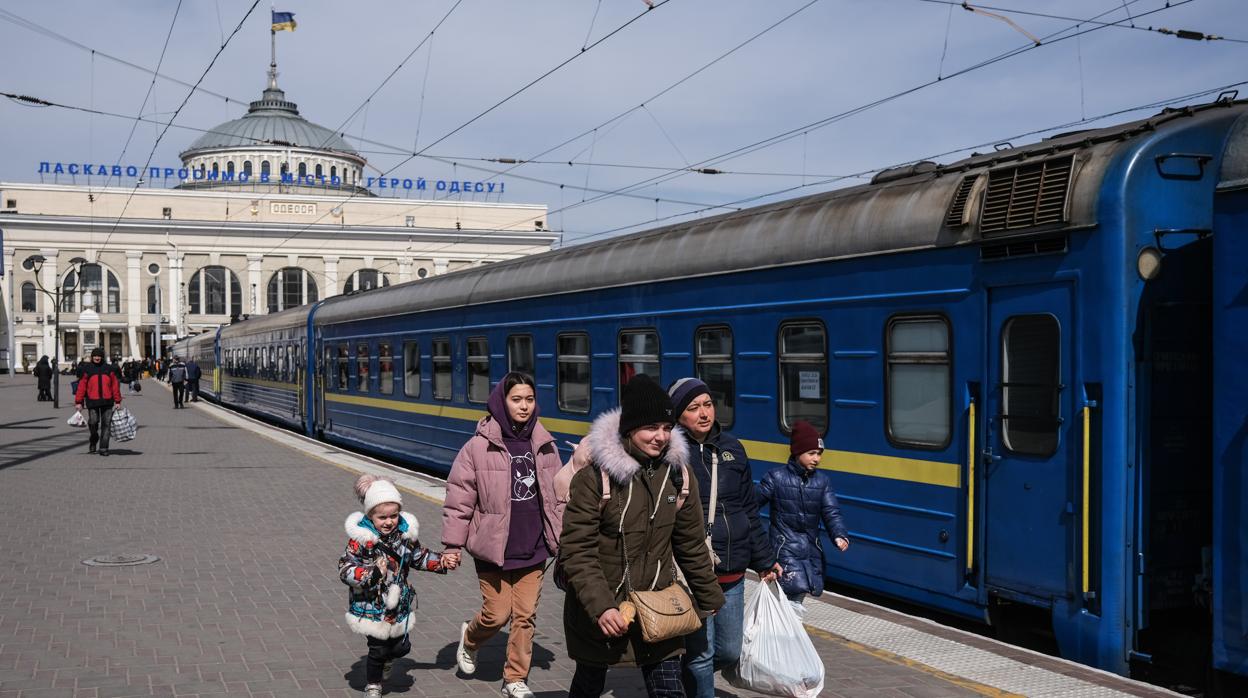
(76, 419)
(777, 656)
(124, 426)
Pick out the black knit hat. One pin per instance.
(643, 402)
(98, 351)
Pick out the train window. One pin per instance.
(385, 369)
(361, 367)
(1030, 384)
(573, 372)
(520, 354)
(713, 366)
(918, 381)
(344, 368)
(478, 370)
(804, 375)
(290, 363)
(296, 368)
(442, 369)
(639, 353)
(327, 369)
(411, 369)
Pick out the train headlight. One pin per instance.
(1149, 263)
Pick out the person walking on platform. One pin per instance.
(193, 374)
(99, 391)
(633, 515)
(801, 498)
(501, 507)
(43, 372)
(382, 547)
(177, 379)
(736, 535)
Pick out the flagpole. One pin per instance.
(273, 60)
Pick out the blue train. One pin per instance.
(1031, 367)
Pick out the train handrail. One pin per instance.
(970, 489)
(1087, 499)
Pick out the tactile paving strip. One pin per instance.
(947, 656)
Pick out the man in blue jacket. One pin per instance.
(193, 374)
(737, 539)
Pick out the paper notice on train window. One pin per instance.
(808, 385)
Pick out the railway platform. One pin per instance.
(237, 527)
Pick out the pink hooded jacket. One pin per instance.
(476, 515)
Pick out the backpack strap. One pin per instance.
(684, 486)
(606, 490)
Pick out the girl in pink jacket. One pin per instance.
(501, 507)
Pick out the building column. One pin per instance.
(51, 281)
(11, 304)
(173, 306)
(439, 266)
(331, 277)
(135, 297)
(405, 269)
(255, 305)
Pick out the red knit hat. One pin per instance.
(804, 438)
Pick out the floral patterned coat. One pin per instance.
(380, 605)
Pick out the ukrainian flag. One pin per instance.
(283, 20)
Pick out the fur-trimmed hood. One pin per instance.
(607, 449)
(361, 530)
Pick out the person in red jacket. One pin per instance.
(99, 391)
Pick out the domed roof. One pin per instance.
(271, 120)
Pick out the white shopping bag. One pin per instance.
(124, 426)
(76, 419)
(777, 656)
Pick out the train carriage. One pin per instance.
(261, 365)
(1028, 366)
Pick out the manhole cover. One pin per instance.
(125, 560)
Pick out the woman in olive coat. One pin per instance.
(642, 455)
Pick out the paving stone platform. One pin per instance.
(244, 599)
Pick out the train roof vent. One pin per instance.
(895, 173)
(957, 210)
(1026, 196)
(1023, 248)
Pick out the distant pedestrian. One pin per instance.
(382, 548)
(193, 374)
(501, 507)
(801, 498)
(43, 372)
(177, 378)
(99, 391)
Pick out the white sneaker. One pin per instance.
(372, 690)
(517, 689)
(466, 658)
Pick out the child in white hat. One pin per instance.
(381, 549)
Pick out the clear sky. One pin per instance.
(799, 68)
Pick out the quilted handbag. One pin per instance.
(665, 613)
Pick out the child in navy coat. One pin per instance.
(801, 497)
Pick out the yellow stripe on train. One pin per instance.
(926, 472)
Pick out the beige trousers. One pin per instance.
(508, 595)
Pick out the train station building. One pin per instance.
(266, 212)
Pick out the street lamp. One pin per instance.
(35, 264)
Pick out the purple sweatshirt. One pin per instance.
(526, 541)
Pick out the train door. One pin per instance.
(1029, 539)
(322, 366)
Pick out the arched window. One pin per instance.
(247, 167)
(303, 170)
(216, 168)
(290, 287)
(29, 298)
(153, 300)
(93, 280)
(285, 168)
(264, 168)
(320, 172)
(365, 280)
(209, 284)
(229, 167)
(333, 171)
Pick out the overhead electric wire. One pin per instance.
(826, 121)
(863, 173)
(173, 118)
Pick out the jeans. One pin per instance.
(662, 680)
(99, 423)
(716, 645)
